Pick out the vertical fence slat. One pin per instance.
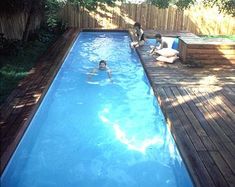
(161, 17)
(155, 18)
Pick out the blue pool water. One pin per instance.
(172, 42)
(97, 132)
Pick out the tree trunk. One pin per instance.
(27, 26)
(35, 10)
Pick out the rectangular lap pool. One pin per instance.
(97, 132)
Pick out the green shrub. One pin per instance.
(17, 61)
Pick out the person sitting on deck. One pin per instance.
(139, 35)
(160, 44)
(162, 52)
(102, 67)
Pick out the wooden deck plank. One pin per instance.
(183, 102)
(206, 111)
(227, 106)
(216, 112)
(186, 124)
(232, 138)
(183, 141)
(212, 168)
(200, 117)
(232, 88)
(230, 177)
(221, 141)
(229, 95)
(218, 107)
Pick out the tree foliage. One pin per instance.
(226, 6)
(52, 7)
(166, 3)
(14, 6)
(92, 4)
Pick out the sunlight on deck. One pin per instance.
(211, 79)
(37, 97)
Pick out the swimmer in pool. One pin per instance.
(102, 67)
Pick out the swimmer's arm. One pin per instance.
(109, 72)
(91, 74)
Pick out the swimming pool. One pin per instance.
(98, 132)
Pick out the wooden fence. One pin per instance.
(198, 19)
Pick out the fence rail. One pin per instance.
(198, 19)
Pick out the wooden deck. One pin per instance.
(199, 106)
(198, 103)
(17, 111)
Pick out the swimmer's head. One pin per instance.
(102, 64)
